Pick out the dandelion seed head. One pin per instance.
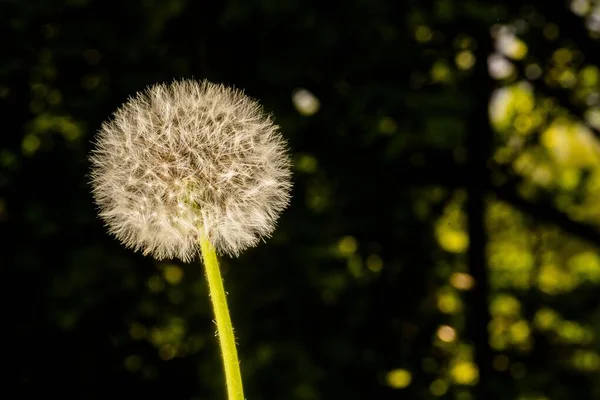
(189, 158)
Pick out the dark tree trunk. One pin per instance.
(479, 151)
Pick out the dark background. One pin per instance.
(428, 252)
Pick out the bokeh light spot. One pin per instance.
(133, 363)
(462, 281)
(305, 102)
(449, 302)
(551, 31)
(173, 274)
(438, 387)
(387, 125)
(31, 143)
(167, 352)
(465, 60)
(399, 378)
(306, 163)
(374, 263)
(464, 373)
(347, 246)
(453, 241)
(446, 333)
(520, 332)
(155, 284)
(423, 34)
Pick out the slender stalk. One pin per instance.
(231, 364)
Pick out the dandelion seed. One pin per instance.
(186, 159)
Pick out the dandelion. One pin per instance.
(192, 167)
(186, 159)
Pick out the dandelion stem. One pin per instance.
(231, 364)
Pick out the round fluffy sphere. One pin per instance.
(189, 158)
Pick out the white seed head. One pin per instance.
(189, 158)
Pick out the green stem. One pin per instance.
(231, 364)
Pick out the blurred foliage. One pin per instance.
(362, 291)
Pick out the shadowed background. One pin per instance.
(442, 241)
